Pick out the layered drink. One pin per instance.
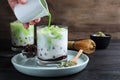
(52, 43)
(20, 36)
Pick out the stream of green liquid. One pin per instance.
(49, 19)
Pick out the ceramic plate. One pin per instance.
(31, 67)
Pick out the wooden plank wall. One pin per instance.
(87, 16)
(82, 17)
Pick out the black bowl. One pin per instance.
(101, 42)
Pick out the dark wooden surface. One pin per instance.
(103, 65)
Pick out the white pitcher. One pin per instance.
(32, 10)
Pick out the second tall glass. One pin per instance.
(20, 36)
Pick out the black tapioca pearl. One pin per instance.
(25, 37)
(40, 54)
(41, 49)
(21, 40)
(45, 53)
(54, 57)
(53, 47)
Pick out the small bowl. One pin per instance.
(102, 42)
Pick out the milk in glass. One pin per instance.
(52, 42)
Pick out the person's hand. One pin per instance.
(12, 4)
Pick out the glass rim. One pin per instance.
(61, 26)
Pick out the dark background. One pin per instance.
(83, 17)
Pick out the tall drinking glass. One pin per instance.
(52, 43)
(20, 36)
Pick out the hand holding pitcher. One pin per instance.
(29, 11)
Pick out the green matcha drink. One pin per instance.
(52, 42)
(21, 36)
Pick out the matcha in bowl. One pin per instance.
(20, 36)
(101, 40)
(52, 43)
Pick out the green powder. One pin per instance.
(67, 64)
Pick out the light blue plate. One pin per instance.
(31, 67)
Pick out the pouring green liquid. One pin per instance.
(49, 20)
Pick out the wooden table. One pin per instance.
(103, 65)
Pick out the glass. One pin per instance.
(52, 43)
(20, 36)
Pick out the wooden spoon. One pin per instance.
(71, 62)
(75, 59)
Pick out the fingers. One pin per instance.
(22, 1)
(26, 25)
(12, 3)
(32, 22)
(35, 21)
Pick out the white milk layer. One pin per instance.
(21, 36)
(23, 40)
(51, 48)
